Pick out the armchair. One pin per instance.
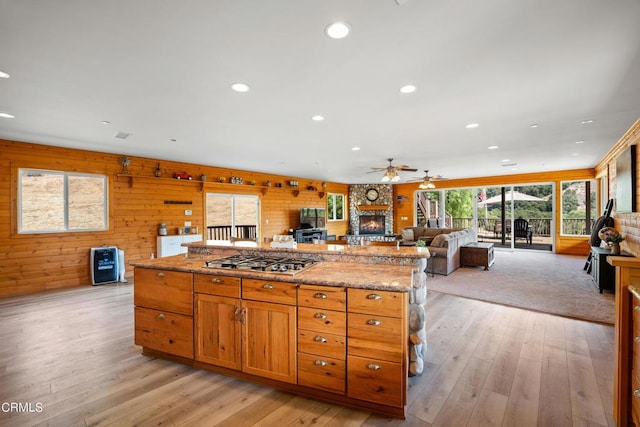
(521, 229)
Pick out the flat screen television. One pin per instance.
(313, 217)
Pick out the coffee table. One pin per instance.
(477, 254)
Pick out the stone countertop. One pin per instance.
(396, 278)
(407, 252)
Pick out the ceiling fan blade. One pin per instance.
(406, 168)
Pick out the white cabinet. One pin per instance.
(172, 245)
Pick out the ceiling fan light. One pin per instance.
(385, 178)
(427, 185)
(395, 178)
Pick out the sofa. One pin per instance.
(443, 243)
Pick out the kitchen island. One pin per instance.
(338, 330)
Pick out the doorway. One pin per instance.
(232, 217)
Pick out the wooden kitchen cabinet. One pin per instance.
(269, 329)
(269, 340)
(322, 338)
(163, 290)
(218, 331)
(164, 311)
(376, 359)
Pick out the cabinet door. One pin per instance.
(218, 331)
(269, 340)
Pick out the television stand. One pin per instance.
(307, 235)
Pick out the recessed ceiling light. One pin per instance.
(472, 125)
(584, 122)
(492, 147)
(337, 30)
(575, 154)
(240, 87)
(408, 89)
(106, 122)
(579, 142)
(173, 140)
(4, 75)
(535, 125)
(317, 118)
(355, 149)
(7, 116)
(505, 160)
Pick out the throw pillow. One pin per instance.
(407, 234)
(439, 241)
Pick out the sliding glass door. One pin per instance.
(516, 217)
(232, 217)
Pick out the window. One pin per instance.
(53, 201)
(335, 206)
(578, 207)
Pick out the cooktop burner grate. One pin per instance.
(261, 263)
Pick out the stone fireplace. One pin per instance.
(379, 210)
(371, 224)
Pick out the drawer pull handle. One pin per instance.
(161, 316)
(373, 366)
(161, 274)
(636, 393)
(267, 286)
(320, 316)
(320, 363)
(374, 322)
(320, 295)
(216, 281)
(318, 338)
(374, 296)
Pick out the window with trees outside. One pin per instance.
(578, 207)
(55, 201)
(335, 207)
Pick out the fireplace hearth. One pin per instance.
(371, 225)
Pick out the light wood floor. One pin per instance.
(488, 365)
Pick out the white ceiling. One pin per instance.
(162, 70)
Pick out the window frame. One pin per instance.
(21, 172)
(593, 186)
(331, 213)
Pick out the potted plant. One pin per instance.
(613, 238)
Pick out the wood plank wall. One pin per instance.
(627, 223)
(35, 262)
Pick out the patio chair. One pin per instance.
(522, 230)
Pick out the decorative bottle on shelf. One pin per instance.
(162, 229)
(158, 171)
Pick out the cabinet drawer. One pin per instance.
(325, 321)
(376, 381)
(322, 344)
(636, 312)
(164, 331)
(323, 297)
(635, 400)
(269, 291)
(376, 336)
(382, 303)
(163, 290)
(323, 373)
(217, 285)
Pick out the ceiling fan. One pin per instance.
(391, 171)
(426, 181)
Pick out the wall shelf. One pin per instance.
(372, 207)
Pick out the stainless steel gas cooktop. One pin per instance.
(262, 263)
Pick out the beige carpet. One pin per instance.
(539, 281)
